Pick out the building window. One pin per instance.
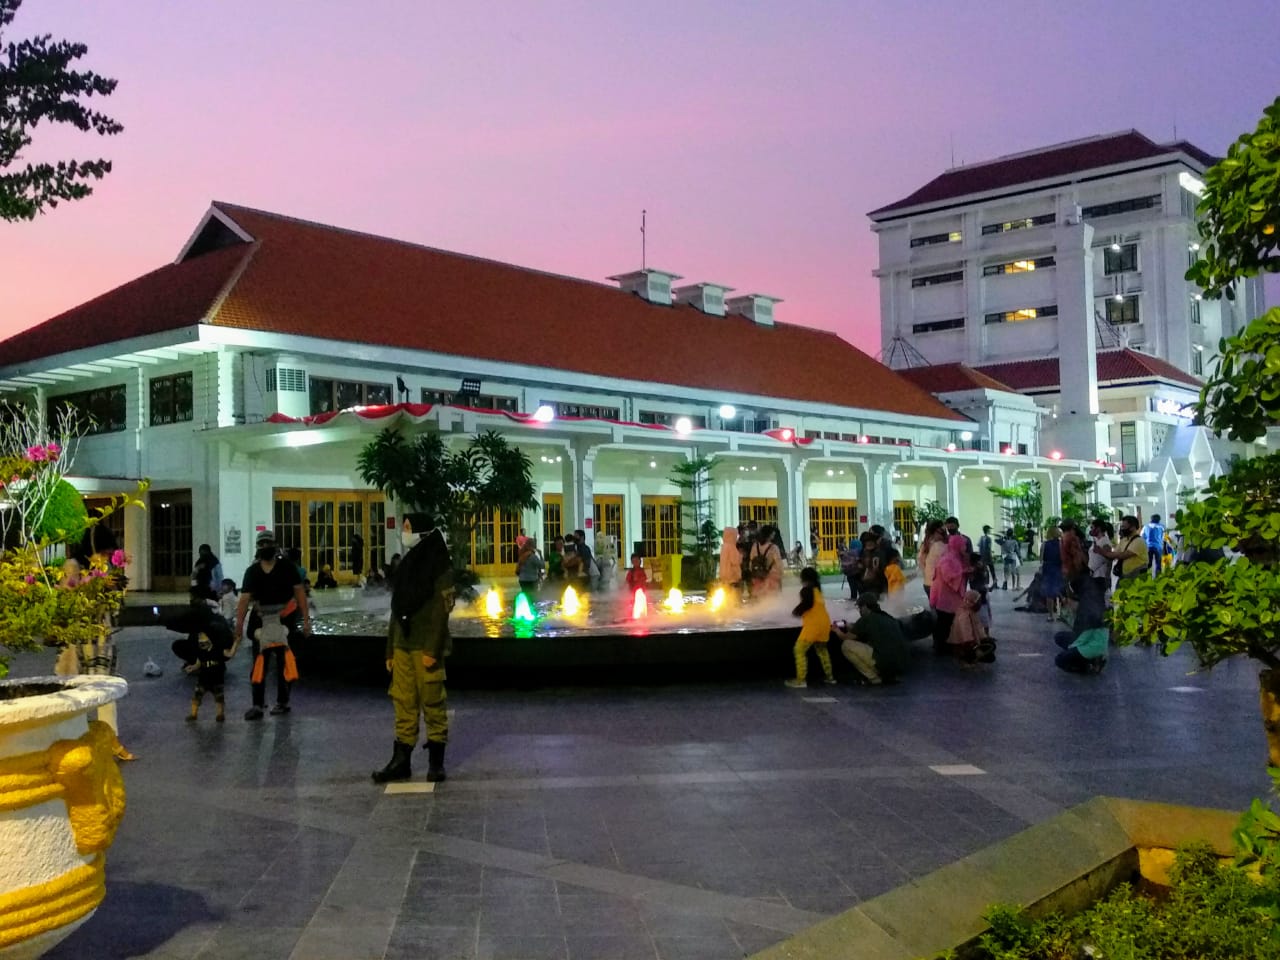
(933, 326)
(1018, 266)
(934, 279)
(1124, 310)
(1195, 312)
(170, 399)
(606, 512)
(1121, 206)
(935, 238)
(759, 509)
(1023, 224)
(344, 530)
(330, 395)
(96, 411)
(1026, 313)
(665, 419)
(1129, 446)
(1197, 362)
(1022, 449)
(836, 522)
(660, 526)
(586, 412)
(552, 519)
(1124, 260)
(447, 398)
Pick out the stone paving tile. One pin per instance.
(680, 820)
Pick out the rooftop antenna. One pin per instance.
(644, 263)
(953, 151)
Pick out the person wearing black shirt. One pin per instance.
(272, 587)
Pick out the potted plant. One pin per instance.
(61, 794)
(1231, 606)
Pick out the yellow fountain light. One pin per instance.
(640, 606)
(570, 606)
(493, 602)
(674, 602)
(716, 601)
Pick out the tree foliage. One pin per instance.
(699, 535)
(1022, 506)
(1226, 608)
(1079, 503)
(1240, 211)
(37, 85)
(457, 487)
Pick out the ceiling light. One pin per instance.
(728, 411)
(544, 414)
(966, 435)
(986, 479)
(558, 459)
(653, 464)
(1115, 246)
(684, 426)
(831, 473)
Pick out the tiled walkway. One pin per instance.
(680, 821)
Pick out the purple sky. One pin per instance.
(757, 135)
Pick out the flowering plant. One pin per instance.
(43, 600)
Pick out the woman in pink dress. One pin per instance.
(946, 596)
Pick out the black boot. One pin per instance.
(435, 761)
(398, 767)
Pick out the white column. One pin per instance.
(1077, 341)
(578, 475)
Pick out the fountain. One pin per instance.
(613, 632)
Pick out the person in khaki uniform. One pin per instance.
(417, 644)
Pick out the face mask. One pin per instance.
(266, 553)
(411, 540)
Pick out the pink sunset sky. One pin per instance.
(756, 135)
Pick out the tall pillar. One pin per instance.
(578, 477)
(1077, 426)
(878, 506)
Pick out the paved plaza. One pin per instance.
(686, 821)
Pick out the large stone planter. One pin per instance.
(1063, 865)
(61, 798)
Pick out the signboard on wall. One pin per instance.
(231, 541)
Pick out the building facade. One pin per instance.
(1059, 273)
(244, 378)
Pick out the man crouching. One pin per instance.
(417, 644)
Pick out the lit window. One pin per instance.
(1024, 224)
(1026, 313)
(935, 238)
(1018, 266)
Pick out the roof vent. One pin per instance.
(653, 285)
(707, 297)
(754, 306)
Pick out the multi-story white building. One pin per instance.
(1060, 273)
(244, 378)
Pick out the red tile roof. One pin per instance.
(172, 297)
(950, 378)
(1062, 161)
(1113, 366)
(313, 280)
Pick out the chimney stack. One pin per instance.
(707, 297)
(652, 285)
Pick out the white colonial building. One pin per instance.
(1058, 274)
(243, 379)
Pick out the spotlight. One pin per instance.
(544, 414)
(728, 411)
(966, 435)
(1055, 455)
(684, 426)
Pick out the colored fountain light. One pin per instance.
(493, 602)
(716, 600)
(524, 611)
(674, 602)
(570, 606)
(640, 606)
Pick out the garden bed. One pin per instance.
(1060, 866)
